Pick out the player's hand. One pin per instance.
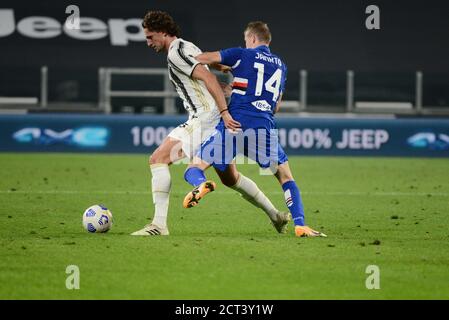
(225, 69)
(227, 89)
(221, 67)
(230, 123)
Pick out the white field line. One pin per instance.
(311, 193)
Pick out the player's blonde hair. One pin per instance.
(260, 30)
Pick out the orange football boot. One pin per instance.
(305, 231)
(194, 196)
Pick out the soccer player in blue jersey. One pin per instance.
(259, 80)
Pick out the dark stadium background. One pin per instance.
(324, 37)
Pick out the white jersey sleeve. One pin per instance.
(182, 57)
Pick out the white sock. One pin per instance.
(251, 192)
(160, 187)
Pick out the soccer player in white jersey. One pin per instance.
(204, 100)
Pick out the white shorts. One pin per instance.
(194, 131)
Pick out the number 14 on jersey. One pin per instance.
(271, 85)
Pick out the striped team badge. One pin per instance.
(288, 198)
(239, 85)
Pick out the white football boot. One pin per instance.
(281, 222)
(151, 230)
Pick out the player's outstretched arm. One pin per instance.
(213, 59)
(212, 85)
(220, 67)
(210, 58)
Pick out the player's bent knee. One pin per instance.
(153, 159)
(158, 157)
(228, 182)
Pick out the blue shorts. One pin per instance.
(259, 143)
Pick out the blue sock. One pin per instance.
(195, 176)
(294, 203)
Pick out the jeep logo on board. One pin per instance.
(121, 31)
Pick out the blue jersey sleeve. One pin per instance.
(229, 57)
(284, 78)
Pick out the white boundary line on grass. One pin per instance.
(311, 193)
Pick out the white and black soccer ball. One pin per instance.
(97, 218)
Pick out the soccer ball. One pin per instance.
(97, 218)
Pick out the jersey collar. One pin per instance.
(173, 43)
(263, 48)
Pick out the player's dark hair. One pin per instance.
(160, 21)
(260, 30)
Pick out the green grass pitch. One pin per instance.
(388, 212)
